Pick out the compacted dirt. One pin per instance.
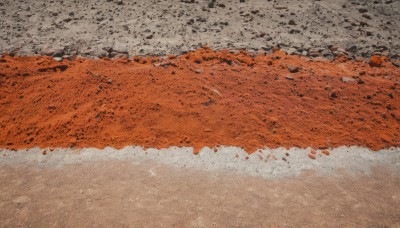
(121, 194)
(203, 98)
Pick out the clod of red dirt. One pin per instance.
(44, 152)
(376, 61)
(313, 151)
(238, 99)
(312, 156)
(326, 152)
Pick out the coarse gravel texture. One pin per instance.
(112, 28)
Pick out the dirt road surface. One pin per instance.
(115, 193)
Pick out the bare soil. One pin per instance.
(203, 98)
(114, 193)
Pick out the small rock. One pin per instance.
(289, 77)
(291, 51)
(58, 59)
(314, 54)
(375, 61)
(326, 152)
(312, 156)
(293, 69)
(362, 10)
(198, 71)
(72, 141)
(347, 79)
(367, 16)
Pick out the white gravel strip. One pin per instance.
(267, 163)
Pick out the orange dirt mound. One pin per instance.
(203, 98)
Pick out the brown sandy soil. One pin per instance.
(104, 194)
(203, 98)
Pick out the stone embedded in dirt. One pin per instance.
(208, 103)
(292, 22)
(314, 54)
(347, 79)
(363, 10)
(149, 36)
(288, 77)
(312, 156)
(334, 95)
(58, 59)
(326, 152)
(291, 51)
(367, 16)
(72, 141)
(293, 69)
(376, 61)
(198, 71)
(202, 19)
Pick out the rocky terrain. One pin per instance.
(109, 28)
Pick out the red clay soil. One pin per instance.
(203, 98)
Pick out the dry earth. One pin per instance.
(329, 95)
(122, 194)
(309, 27)
(203, 98)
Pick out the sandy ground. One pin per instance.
(149, 194)
(203, 98)
(92, 27)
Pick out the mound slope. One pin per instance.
(203, 98)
